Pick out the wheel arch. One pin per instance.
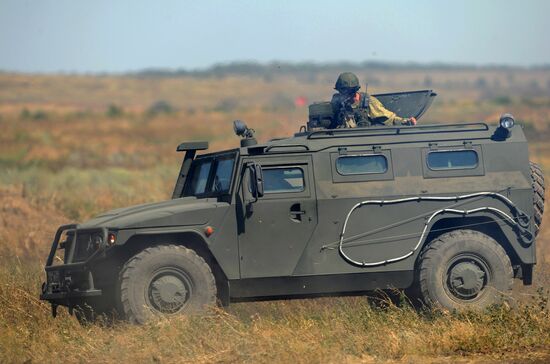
(481, 223)
(190, 239)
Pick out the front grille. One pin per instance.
(85, 246)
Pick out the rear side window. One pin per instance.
(455, 159)
(361, 164)
(279, 180)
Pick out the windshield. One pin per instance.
(210, 176)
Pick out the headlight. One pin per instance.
(507, 121)
(96, 241)
(53, 276)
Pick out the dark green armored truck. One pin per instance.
(449, 210)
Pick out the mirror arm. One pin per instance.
(255, 176)
(255, 179)
(247, 186)
(259, 179)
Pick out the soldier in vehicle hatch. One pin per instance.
(352, 108)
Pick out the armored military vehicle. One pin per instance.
(452, 210)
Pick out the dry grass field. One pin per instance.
(72, 146)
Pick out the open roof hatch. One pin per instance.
(409, 103)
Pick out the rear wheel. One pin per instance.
(165, 280)
(538, 194)
(464, 269)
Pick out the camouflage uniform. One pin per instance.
(361, 109)
(366, 111)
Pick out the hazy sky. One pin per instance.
(117, 36)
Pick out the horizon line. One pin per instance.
(230, 67)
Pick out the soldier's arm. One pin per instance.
(379, 113)
(336, 103)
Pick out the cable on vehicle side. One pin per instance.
(351, 243)
(520, 219)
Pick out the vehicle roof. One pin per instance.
(317, 140)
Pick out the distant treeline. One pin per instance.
(250, 68)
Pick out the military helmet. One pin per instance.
(346, 82)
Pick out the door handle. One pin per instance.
(296, 212)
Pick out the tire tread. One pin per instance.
(430, 253)
(538, 194)
(130, 265)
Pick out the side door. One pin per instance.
(276, 228)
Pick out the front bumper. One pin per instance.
(70, 284)
(67, 283)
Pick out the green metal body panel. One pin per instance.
(287, 243)
(273, 238)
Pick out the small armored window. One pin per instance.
(199, 179)
(361, 164)
(279, 180)
(222, 177)
(455, 159)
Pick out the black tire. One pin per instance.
(538, 194)
(464, 269)
(165, 280)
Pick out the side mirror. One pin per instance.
(253, 183)
(256, 180)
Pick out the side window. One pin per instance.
(456, 159)
(210, 176)
(222, 178)
(452, 161)
(361, 164)
(280, 180)
(200, 178)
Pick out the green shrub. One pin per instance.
(502, 100)
(39, 115)
(227, 105)
(26, 114)
(114, 111)
(160, 107)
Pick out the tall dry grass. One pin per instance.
(65, 156)
(303, 331)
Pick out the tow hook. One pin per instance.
(54, 310)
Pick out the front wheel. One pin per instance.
(165, 280)
(464, 269)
